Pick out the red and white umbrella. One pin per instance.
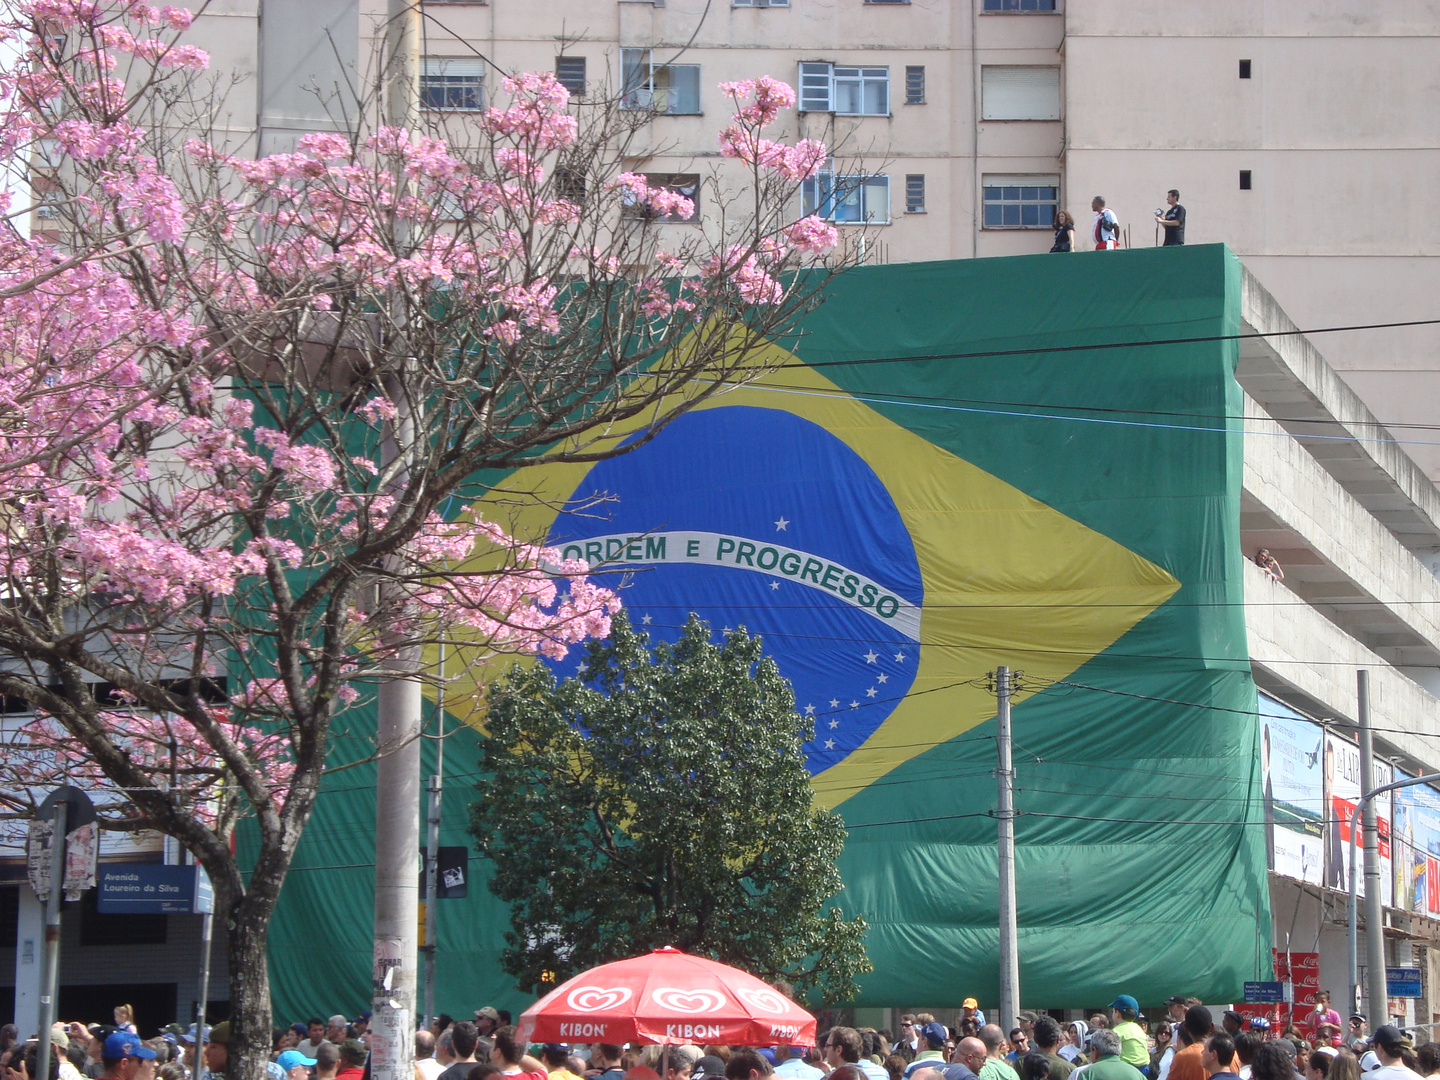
(667, 996)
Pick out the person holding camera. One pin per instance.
(1173, 220)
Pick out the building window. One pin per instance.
(9, 915)
(1019, 92)
(915, 193)
(127, 929)
(1244, 69)
(850, 200)
(570, 73)
(760, 3)
(452, 85)
(687, 184)
(1019, 5)
(667, 88)
(570, 183)
(914, 86)
(1244, 179)
(1020, 202)
(844, 90)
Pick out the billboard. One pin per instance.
(1416, 848)
(1342, 786)
(1290, 756)
(927, 481)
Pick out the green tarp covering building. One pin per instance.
(1032, 462)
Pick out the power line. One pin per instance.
(986, 354)
(1017, 413)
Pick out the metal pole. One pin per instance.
(432, 840)
(1005, 812)
(50, 973)
(1428, 778)
(399, 701)
(1376, 1006)
(1350, 912)
(207, 930)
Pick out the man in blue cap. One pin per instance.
(932, 1049)
(124, 1057)
(1124, 1015)
(295, 1065)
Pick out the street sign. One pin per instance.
(1264, 993)
(452, 866)
(1402, 982)
(153, 889)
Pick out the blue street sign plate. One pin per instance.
(1402, 982)
(1264, 993)
(152, 889)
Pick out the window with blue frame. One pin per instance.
(848, 200)
(1020, 202)
(452, 85)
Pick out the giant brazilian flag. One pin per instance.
(953, 466)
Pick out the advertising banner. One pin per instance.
(1342, 786)
(1290, 753)
(1416, 848)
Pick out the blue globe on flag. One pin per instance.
(759, 518)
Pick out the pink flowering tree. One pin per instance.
(244, 405)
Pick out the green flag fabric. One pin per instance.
(1032, 462)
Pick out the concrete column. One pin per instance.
(28, 944)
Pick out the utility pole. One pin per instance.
(50, 972)
(399, 701)
(1376, 1004)
(1005, 812)
(432, 840)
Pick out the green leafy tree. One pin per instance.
(661, 798)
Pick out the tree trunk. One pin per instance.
(250, 1026)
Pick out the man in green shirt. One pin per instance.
(1134, 1048)
(995, 1067)
(1105, 1049)
(1047, 1041)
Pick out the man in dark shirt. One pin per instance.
(1173, 220)
(463, 1040)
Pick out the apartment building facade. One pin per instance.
(1302, 135)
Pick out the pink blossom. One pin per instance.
(87, 140)
(326, 145)
(812, 235)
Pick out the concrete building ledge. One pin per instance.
(1299, 655)
(1294, 383)
(1336, 555)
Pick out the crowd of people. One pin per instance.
(1118, 1044)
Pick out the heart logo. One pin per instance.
(690, 1002)
(766, 1001)
(589, 999)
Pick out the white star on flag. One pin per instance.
(809, 710)
(882, 678)
(834, 723)
(781, 525)
(645, 619)
(774, 585)
(871, 692)
(834, 703)
(871, 656)
(854, 704)
(899, 657)
(829, 744)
